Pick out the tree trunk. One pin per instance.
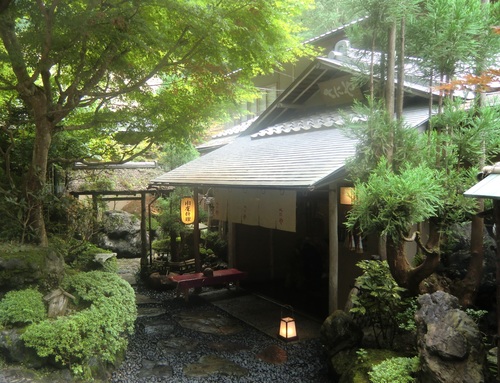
(389, 90)
(401, 72)
(404, 274)
(37, 178)
(398, 263)
(391, 70)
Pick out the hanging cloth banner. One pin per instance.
(270, 208)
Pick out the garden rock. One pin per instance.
(449, 341)
(339, 332)
(14, 350)
(273, 354)
(23, 267)
(121, 233)
(211, 364)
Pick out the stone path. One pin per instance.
(197, 341)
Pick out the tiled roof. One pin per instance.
(316, 121)
(304, 153)
(224, 137)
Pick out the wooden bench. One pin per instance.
(188, 281)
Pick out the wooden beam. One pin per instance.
(333, 236)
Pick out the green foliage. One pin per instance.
(378, 301)
(395, 370)
(22, 307)
(377, 135)
(450, 33)
(406, 318)
(361, 355)
(391, 203)
(476, 315)
(107, 312)
(161, 244)
(213, 240)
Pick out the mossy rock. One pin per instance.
(25, 266)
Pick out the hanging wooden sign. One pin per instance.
(188, 211)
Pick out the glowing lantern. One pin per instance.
(287, 331)
(346, 195)
(188, 211)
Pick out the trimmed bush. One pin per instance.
(21, 307)
(99, 329)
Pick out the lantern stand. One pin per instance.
(287, 331)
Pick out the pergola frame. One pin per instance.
(129, 195)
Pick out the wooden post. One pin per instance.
(333, 236)
(144, 237)
(196, 233)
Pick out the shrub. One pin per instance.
(394, 370)
(379, 301)
(22, 307)
(108, 314)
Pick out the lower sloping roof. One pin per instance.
(489, 186)
(304, 153)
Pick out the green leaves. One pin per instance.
(22, 307)
(378, 300)
(390, 203)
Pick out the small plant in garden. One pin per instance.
(22, 307)
(361, 353)
(395, 370)
(406, 318)
(476, 315)
(378, 301)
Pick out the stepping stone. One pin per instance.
(227, 346)
(177, 344)
(273, 354)
(155, 369)
(209, 323)
(149, 311)
(211, 364)
(145, 300)
(158, 327)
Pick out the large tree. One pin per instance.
(152, 69)
(447, 34)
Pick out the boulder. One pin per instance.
(25, 266)
(339, 332)
(449, 341)
(121, 233)
(14, 350)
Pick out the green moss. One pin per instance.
(22, 307)
(25, 266)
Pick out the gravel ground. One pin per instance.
(305, 362)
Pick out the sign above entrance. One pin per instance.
(188, 213)
(340, 91)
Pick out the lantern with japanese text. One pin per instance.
(188, 211)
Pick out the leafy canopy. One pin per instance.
(118, 73)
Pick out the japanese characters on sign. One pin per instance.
(188, 212)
